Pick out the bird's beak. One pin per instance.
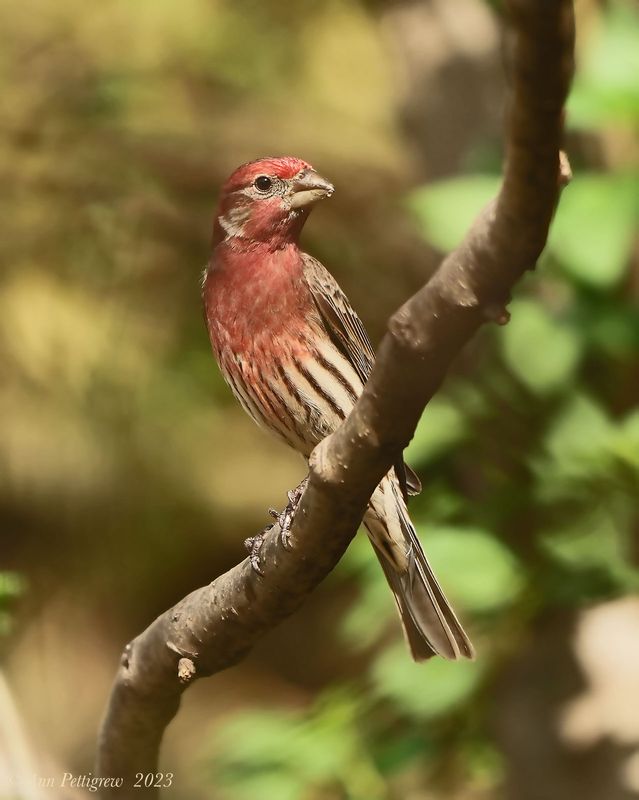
(308, 187)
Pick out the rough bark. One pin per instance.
(213, 627)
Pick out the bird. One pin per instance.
(296, 356)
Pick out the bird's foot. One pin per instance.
(253, 544)
(286, 517)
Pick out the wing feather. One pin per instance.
(348, 334)
(340, 320)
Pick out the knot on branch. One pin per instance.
(125, 658)
(565, 170)
(186, 670)
(324, 467)
(497, 313)
(403, 330)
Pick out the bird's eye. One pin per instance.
(263, 183)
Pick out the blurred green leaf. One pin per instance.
(613, 329)
(477, 570)
(577, 443)
(424, 690)
(595, 540)
(540, 351)
(265, 783)
(11, 585)
(393, 753)
(485, 762)
(606, 89)
(255, 735)
(298, 751)
(447, 208)
(625, 443)
(596, 222)
(438, 502)
(442, 425)
(371, 612)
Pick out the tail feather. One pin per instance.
(424, 576)
(430, 624)
(417, 641)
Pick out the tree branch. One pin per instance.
(214, 627)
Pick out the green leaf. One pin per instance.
(266, 783)
(485, 763)
(373, 612)
(578, 441)
(298, 751)
(424, 690)
(473, 566)
(614, 329)
(11, 584)
(625, 443)
(255, 736)
(595, 226)
(606, 89)
(540, 351)
(441, 427)
(596, 540)
(447, 208)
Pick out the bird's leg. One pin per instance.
(286, 517)
(253, 544)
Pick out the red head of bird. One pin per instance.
(267, 201)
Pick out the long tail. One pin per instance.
(429, 622)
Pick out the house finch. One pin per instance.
(296, 356)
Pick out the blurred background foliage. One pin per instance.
(128, 475)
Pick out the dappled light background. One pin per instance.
(129, 476)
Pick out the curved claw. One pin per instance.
(285, 537)
(253, 545)
(286, 517)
